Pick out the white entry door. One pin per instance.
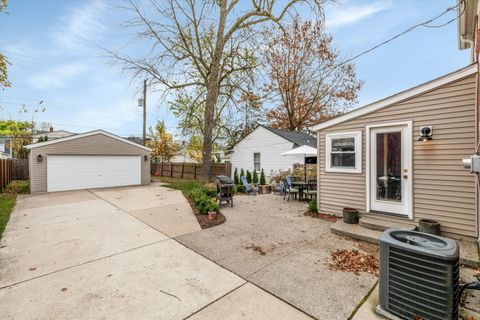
(73, 172)
(390, 170)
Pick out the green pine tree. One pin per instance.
(242, 173)
(262, 178)
(255, 176)
(236, 180)
(249, 177)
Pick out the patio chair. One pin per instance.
(249, 187)
(279, 187)
(289, 190)
(311, 189)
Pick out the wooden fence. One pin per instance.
(5, 172)
(20, 169)
(188, 170)
(12, 169)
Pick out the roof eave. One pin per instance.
(83, 135)
(466, 24)
(398, 97)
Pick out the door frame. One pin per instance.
(409, 146)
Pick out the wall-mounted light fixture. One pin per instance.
(145, 158)
(426, 133)
(39, 157)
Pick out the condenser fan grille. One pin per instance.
(418, 284)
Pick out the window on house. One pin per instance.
(343, 152)
(256, 161)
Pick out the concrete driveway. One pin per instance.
(108, 254)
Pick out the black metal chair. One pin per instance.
(311, 189)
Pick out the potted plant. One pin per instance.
(212, 209)
(264, 187)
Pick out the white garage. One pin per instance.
(96, 159)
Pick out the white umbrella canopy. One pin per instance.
(305, 150)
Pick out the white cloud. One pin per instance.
(58, 77)
(346, 14)
(81, 26)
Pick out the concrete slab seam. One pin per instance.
(128, 213)
(83, 263)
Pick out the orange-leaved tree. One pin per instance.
(307, 77)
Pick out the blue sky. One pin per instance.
(55, 50)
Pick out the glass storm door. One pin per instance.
(389, 163)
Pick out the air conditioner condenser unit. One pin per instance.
(419, 276)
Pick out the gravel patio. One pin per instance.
(270, 243)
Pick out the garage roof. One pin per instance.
(83, 135)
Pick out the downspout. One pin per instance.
(471, 45)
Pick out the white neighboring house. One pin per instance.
(52, 134)
(5, 148)
(263, 147)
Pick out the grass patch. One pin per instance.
(18, 186)
(7, 201)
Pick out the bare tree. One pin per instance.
(200, 44)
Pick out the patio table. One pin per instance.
(301, 185)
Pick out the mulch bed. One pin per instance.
(203, 218)
(318, 215)
(353, 261)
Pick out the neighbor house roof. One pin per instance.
(83, 135)
(399, 97)
(298, 138)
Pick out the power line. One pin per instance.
(422, 24)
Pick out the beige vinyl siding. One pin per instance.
(442, 189)
(97, 144)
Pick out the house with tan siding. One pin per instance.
(400, 159)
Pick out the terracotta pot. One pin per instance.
(265, 188)
(212, 215)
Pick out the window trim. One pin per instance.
(357, 135)
(259, 161)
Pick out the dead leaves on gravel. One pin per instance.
(353, 261)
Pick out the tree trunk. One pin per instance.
(212, 95)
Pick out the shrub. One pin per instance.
(236, 180)
(242, 173)
(210, 192)
(249, 177)
(212, 205)
(262, 178)
(240, 188)
(255, 177)
(312, 206)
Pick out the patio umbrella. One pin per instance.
(306, 151)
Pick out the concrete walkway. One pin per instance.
(270, 243)
(108, 254)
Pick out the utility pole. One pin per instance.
(144, 111)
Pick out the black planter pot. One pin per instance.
(429, 226)
(350, 215)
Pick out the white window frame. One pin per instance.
(259, 161)
(357, 135)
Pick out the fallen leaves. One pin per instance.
(353, 261)
(256, 249)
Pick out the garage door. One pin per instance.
(72, 172)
